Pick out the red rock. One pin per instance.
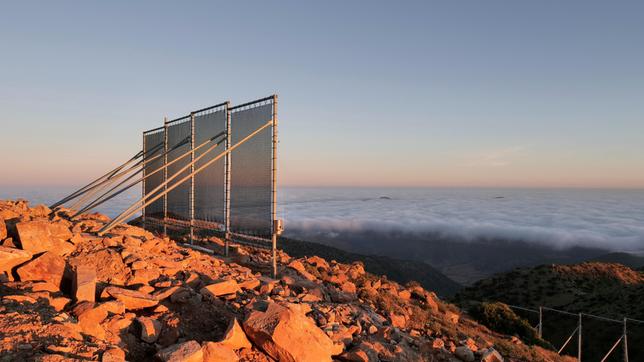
(41, 235)
(89, 317)
(218, 352)
(452, 317)
(10, 257)
(150, 329)
(132, 299)
(8, 242)
(113, 354)
(348, 287)
(84, 284)
(249, 284)
(299, 267)
(3, 229)
(40, 211)
(318, 262)
(220, 288)
(48, 267)
(235, 337)
(398, 320)
(491, 355)
(287, 335)
(183, 352)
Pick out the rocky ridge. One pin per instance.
(68, 294)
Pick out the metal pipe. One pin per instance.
(540, 322)
(612, 348)
(96, 202)
(568, 340)
(579, 340)
(165, 175)
(132, 209)
(191, 195)
(273, 97)
(227, 184)
(625, 342)
(274, 188)
(75, 194)
(142, 184)
(106, 183)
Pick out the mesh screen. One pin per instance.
(155, 209)
(250, 193)
(210, 182)
(179, 198)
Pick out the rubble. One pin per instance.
(157, 299)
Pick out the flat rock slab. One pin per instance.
(10, 257)
(49, 267)
(220, 288)
(183, 352)
(132, 299)
(41, 235)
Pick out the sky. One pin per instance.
(402, 94)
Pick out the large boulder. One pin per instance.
(10, 257)
(41, 235)
(286, 334)
(49, 267)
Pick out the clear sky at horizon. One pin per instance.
(458, 93)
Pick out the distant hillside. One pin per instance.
(462, 260)
(398, 270)
(605, 289)
(611, 290)
(630, 260)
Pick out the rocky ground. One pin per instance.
(68, 294)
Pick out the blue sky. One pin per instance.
(459, 93)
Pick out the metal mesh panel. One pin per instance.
(251, 164)
(152, 140)
(210, 183)
(179, 198)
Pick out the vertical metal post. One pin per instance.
(274, 189)
(625, 342)
(165, 175)
(143, 183)
(227, 184)
(191, 201)
(540, 322)
(579, 340)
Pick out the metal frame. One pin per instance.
(256, 238)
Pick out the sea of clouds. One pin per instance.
(608, 219)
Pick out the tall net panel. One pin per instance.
(251, 171)
(210, 183)
(178, 203)
(153, 148)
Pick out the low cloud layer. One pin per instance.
(611, 220)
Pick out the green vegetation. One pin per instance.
(500, 318)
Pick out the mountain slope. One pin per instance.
(402, 271)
